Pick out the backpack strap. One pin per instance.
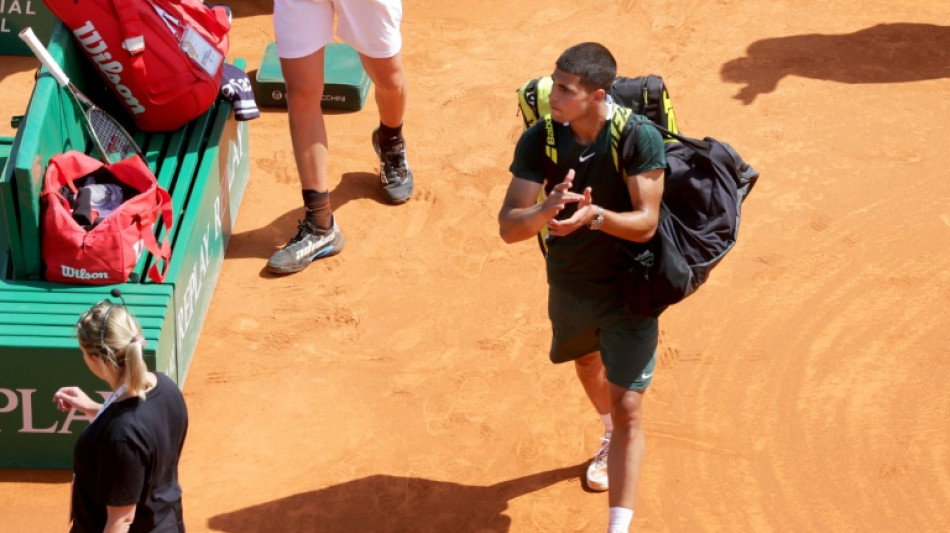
(549, 167)
(550, 152)
(703, 146)
(533, 99)
(655, 97)
(656, 84)
(618, 126)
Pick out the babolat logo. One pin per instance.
(98, 50)
(81, 273)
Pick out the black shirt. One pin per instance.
(129, 455)
(587, 261)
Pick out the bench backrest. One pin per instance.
(6, 204)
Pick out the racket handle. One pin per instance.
(27, 35)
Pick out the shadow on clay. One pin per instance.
(263, 241)
(886, 53)
(389, 504)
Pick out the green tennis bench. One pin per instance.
(205, 168)
(6, 144)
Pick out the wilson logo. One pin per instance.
(98, 51)
(81, 273)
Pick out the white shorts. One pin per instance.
(370, 26)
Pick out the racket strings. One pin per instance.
(115, 143)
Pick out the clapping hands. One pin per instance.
(561, 196)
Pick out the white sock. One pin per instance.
(608, 422)
(620, 519)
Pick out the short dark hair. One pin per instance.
(592, 62)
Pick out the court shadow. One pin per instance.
(390, 504)
(356, 186)
(886, 53)
(263, 241)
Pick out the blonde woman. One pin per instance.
(125, 464)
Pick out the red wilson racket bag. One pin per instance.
(82, 242)
(162, 58)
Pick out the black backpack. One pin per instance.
(643, 95)
(647, 96)
(705, 185)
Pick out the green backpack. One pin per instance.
(644, 95)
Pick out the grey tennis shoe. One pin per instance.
(394, 171)
(306, 246)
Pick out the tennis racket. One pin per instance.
(109, 137)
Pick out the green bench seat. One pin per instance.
(204, 166)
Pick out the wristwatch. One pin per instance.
(598, 221)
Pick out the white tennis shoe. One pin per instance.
(597, 470)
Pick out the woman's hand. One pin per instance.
(68, 398)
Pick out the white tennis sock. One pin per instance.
(620, 519)
(608, 422)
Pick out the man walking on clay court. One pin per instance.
(589, 209)
(303, 28)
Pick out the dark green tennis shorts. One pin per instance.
(627, 342)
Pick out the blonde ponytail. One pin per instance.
(135, 370)
(112, 334)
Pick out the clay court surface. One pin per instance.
(403, 386)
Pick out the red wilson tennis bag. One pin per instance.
(162, 58)
(98, 218)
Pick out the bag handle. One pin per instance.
(131, 26)
(696, 144)
(163, 251)
(133, 32)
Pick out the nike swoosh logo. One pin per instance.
(646, 376)
(585, 158)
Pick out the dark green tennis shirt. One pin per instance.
(587, 261)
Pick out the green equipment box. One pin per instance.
(18, 14)
(345, 85)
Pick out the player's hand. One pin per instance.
(561, 195)
(68, 398)
(581, 217)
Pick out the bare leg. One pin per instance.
(390, 80)
(308, 133)
(627, 446)
(317, 235)
(590, 371)
(394, 173)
